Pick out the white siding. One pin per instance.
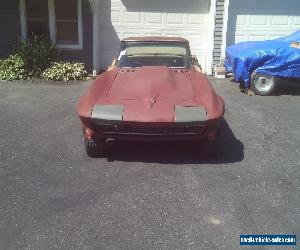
(261, 20)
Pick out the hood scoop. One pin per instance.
(180, 70)
(126, 70)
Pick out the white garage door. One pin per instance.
(261, 20)
(123, 18)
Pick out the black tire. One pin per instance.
(263, 84)
(93, 148)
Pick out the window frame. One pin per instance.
(52, 24)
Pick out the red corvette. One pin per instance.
(152, 92)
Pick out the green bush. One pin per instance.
(65, 71)
(36, 57)
(31, 57)
(37, 54)
(13, 68)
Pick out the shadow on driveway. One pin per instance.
(288, 87)
(182, 152)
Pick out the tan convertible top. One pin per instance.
(155, 38)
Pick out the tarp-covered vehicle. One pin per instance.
(259, 64)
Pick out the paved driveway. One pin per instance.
(144, 195)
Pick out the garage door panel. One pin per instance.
(240, 20)
(261, 20)
(195, 19)
(115, 16)
(133, 18)
(257, 20)
(296, 20)
(154, 18)
(254, 37)
(121, 19)
(239, 38)
(175, 19)
(275, 36)
(280, 20)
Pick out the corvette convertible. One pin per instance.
(153, 92)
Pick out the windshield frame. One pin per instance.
(124, 44)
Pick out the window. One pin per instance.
(59, 20)
(66, 14)
(37, 17)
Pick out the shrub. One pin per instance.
(65, 71)
(12, 68)
(36, 57)
(37, 54)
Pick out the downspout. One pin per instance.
(209, 58)
(22, 10)
(95, 12)
(224, 30)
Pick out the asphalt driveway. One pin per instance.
(144, 195)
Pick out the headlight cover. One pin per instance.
(102, 113)
(190, 114)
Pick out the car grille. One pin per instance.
(155, 130)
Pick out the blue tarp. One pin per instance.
(272, 57)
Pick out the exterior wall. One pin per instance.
(86, 54)
(9, 26)
(219, 22)
(10, 29)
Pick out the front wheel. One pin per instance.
(263, 84)
(94, 148)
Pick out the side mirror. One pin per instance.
(195, 63)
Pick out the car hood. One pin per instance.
(150, 94)
(159, 83)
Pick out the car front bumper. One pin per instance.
(140, 131)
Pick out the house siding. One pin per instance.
(9, 26)
(219, 21)
(85, 55)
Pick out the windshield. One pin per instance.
(169, 54)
